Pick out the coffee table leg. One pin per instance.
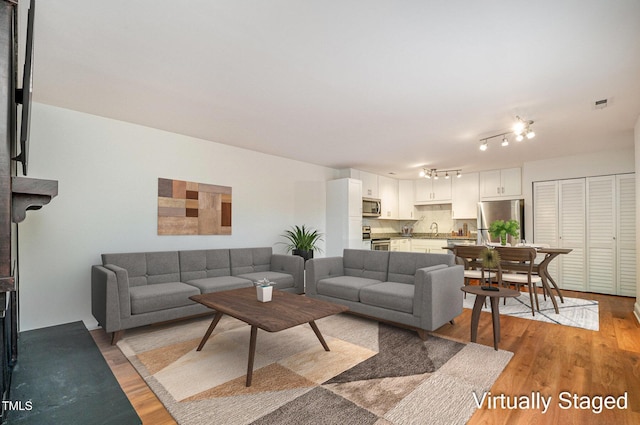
(495, 315)
(475, 316)
(319, 335)
(252, 354)
(212, 326)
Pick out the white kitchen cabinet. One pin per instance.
(344, 216)
(595, 217)
(400, 244)
(432, 191)
(405, 200)
(370, 188)
(500, 184)
(388, 190)
(428, 245)
(466, 194)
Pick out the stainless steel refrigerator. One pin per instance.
(489, 211)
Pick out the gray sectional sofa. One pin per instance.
(420, 291)
(136, 289)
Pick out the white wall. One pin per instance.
(586, 165)
(637, 160)
(108, 175)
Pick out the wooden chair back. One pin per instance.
(516, 258)
(470, 255)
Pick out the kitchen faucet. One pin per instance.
(431, 228)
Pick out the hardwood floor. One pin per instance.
(548, 359)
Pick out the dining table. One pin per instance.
(542, 269)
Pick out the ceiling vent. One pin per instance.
(600, 104)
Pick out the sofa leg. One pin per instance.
(452, 322)
(115, 336)
(422, 334)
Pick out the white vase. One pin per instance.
(264, 293)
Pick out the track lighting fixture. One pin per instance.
(521, 129)
(433, 173)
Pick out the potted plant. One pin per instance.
(500, 229)
(264, 290)
(302, 241)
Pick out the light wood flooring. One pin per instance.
(548, 359)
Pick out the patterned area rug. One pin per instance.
(374, 374)
(574, 312)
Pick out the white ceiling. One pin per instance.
(380, 85)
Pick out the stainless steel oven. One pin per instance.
(380, 245)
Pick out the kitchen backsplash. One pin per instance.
(426, 215)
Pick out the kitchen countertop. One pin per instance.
(375, 236)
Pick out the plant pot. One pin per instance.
(503, 240)
(264, 293)
(303, 253)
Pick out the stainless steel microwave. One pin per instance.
(371, 207)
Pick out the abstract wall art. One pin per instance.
(188, 208)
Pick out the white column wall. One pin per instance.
(108, 175)
(636, 135)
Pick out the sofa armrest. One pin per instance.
(292, 264)
(105, 299)
(322, 268)
(122, 278)
(437, 297)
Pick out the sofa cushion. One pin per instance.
(281, 280)
(161, 296)
(134, 263)
(344, 287)
(250, 260)
(201, 264)
(221, 283)
(162, 267)
(366, 264)
(146, 268)
(403, 265)
(390, 295)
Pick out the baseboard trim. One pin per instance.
(636, 309)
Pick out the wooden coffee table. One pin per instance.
(284, 311)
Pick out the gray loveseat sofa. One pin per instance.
(420, 291)
(136, 289)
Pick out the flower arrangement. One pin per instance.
(500, 229)
(490, 259)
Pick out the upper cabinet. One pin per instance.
(388, 191)
(370, 185)
(432, 191)
(405, 200)
(499, 184)
(466, 193)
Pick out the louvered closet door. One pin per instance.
(601, 234)
(626, 234)
(545, 218)
(571, 218)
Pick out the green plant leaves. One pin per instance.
(501, 227)
(302, 238)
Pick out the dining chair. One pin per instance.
(516, 264)
(471, 256)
